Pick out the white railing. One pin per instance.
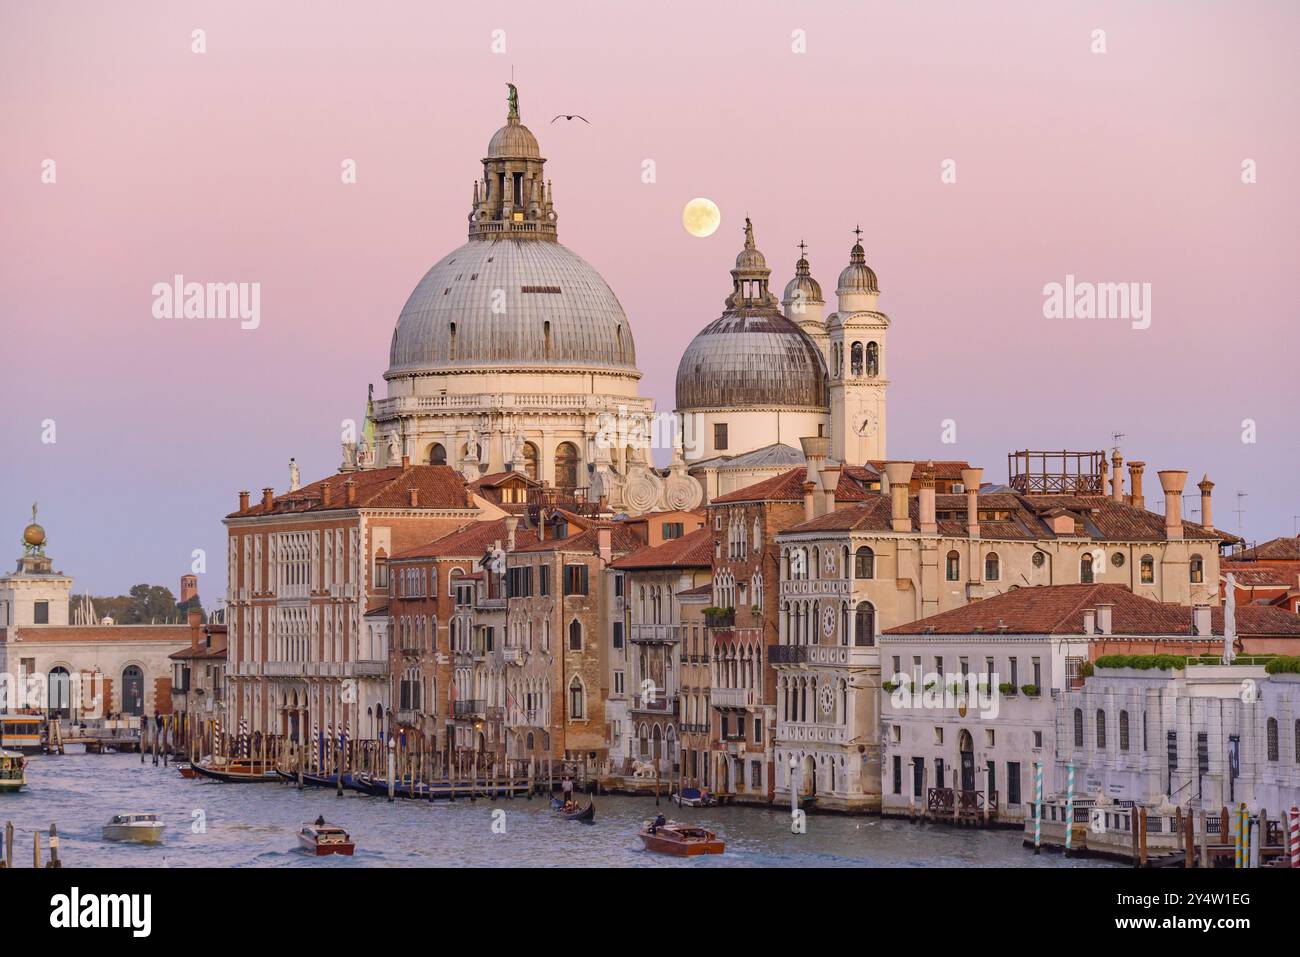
(794, 732)
(732, 697)
(667, 633)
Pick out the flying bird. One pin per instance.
(573, 116)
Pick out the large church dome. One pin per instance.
(511, 304)
(751, 356)
(512, 298)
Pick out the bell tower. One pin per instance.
(858, 382)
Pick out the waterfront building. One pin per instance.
(1025, 650)
(743, 620)
(80, 671)
(659, 632)
(559, 628)
(304, 569)
(199, 673)
(446, 619)
(1204, 736)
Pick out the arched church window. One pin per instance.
(566, 466)
(451, 349)
(437, 454)
(530, 460)
(855, 359)
(873, 359)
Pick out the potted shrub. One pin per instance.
(1031, 690)
(1007, 688)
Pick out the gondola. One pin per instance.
(584, 814)
(238, 771)
(313, 780)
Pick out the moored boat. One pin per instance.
(237, 771)
(13, 771)
(693, 797)
(322, 839)
(187, 770)
(136, 828)
(681, 840)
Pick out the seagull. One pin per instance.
(573, 116)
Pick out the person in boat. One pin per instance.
(566, 786)
(658, 822)
(320, 821)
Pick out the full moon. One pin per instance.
(701, 217)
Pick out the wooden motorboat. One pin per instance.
(323, 839)
(682, 840)
(237, 771)
(187, 770)
(13, 771)
(693, 797)
(585, 814)
(136, 828)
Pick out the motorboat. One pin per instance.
(321, 839)
(680, 840)
(135, 828)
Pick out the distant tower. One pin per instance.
(189, 587)
(858, 380)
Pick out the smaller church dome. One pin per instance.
(857, 275)
(803, 286)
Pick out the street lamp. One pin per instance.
(392, 768)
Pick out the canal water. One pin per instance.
(255, 825)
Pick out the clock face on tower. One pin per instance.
(864, 423)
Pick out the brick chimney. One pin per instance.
(512, 523)
(1206, 487)
(195, 619)
(350, 492)
(406, 462)
(1172, 481)
(326, 494)
(415, 498)
(972, 479)
(899, 475)
(605, 543)
(815, 449)
(830, 482)
(268, 497)
(929, 522)
(243, 501)
(1117, 476)
(1136, 498)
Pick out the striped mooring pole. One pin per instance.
(1239, 837)
(1295, 836)
(1069, 809)
(1038, 806)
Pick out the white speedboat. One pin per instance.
(139, 828)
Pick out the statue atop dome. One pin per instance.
(513, 99)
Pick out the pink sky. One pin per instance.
(225, 166)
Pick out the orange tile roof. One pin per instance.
(31, 634)
(439, 487)
(1274, 550)
(788, 487)
(1058, 610)
(693, 550)
(1099, 518)
(469, 541)
(1250, 575)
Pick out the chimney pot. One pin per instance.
(243, 501)
(1207, 516)
(929, 522)
(1135, 470)
(1117, 477)
(1201, 621)
(406, 462)
(830, 483)
(1172, 481)
(350, 492)
(268, 497)
(972, 479)
(415, 498)
(1090, 621)
(512, 523)
(899, 475)
(1104, 617)
(326, 494)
